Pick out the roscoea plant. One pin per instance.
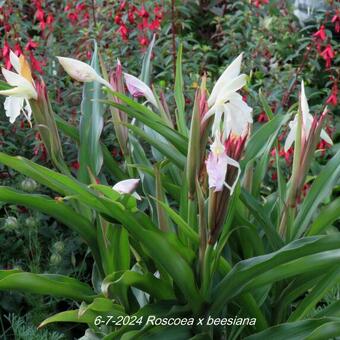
(181, 230)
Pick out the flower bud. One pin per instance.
(29, 185)
(55, 259)
(11, 223)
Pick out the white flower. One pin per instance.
(23, 88)
(138, 88)
(81, 71)
(225, 101)
(217, 166)
(307, 120)
(127, 186)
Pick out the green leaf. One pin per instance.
(295, 258)
(64, 185)
(265, 135)
(293, 330)
(172, 136)
(316, 294)
(109, 162)
(57, 209)
(146, 66)
(181, 224)
(5, 86)
(117, 285)
(262, 217)
(329, 214)
(91, 126)
(321, 188)
(265, 105)
(179, 96)
(164, 148)
(46, 284)
(88, 313)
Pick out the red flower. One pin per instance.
(158, 12)
(143, 41)
(262, 118)
(75, 165)
(274, 176)
(118, 19)
(123, 31)
(258, 3)
(35, 63)
(31, 45)
(7, 27)
(333, 98)
(73, 17)
(336, 21)
(50, 19)
(131, 17)
(6, 49)
(42, 25)
(67, 8)
(328, 54)
(39, 14)
(122, 5)
(80, 7)
(17, 49)
(155, 25)
(143, 13)
(321, 33)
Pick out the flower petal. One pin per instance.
(290, 138)
(230, 87)
(81, 71)
(304, 103)
(15, 79)
(235, 164)
(138, 88)
(127, 186)
(13, 107)
(325, 137)
(231, 72)
(216, 169)
(14, 61)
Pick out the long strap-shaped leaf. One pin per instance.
(164, 148)
(321, 187)
(172, 136)
(46, 284)
(293, 259)
(300, 330)
(91, 126)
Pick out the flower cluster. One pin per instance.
(129, 18)
(12, 34)
(325, 50)
(232, 117)
(44, 20)
(77, 12)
